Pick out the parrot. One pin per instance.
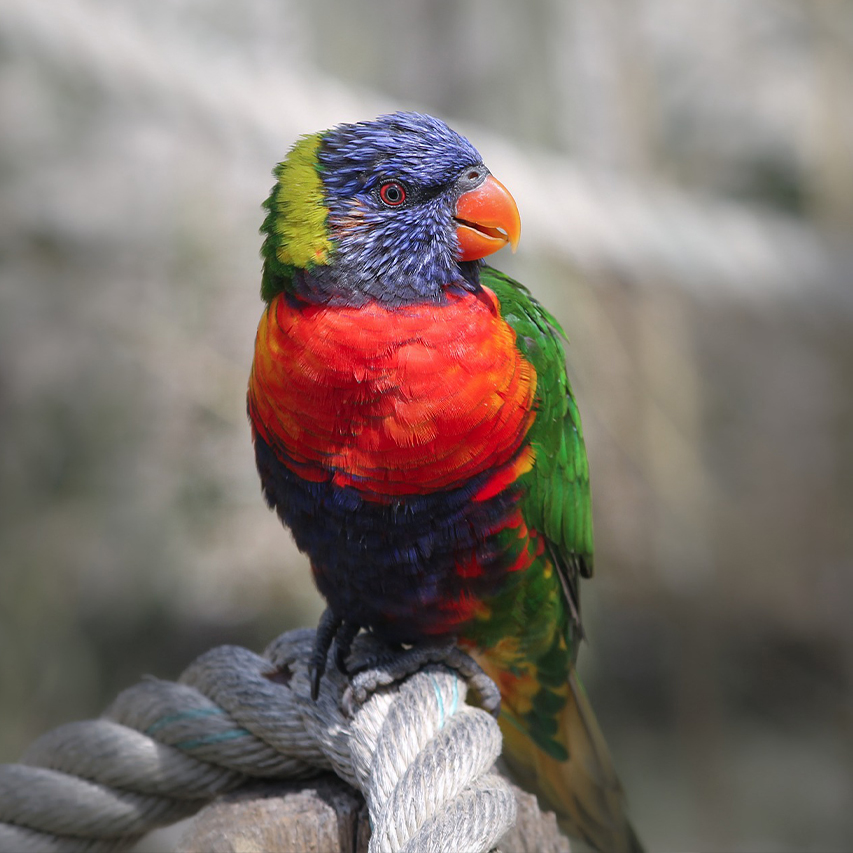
(415, 429)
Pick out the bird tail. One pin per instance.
(560, 754)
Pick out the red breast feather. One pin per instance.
(409, 400)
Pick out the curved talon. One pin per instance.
(326, 630)
(343, 643)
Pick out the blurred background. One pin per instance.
(684, 172)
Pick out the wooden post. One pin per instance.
(325, 815)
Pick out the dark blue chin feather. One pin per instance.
(333, 286)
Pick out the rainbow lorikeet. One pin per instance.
(415, 429)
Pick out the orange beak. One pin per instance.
(487, 219)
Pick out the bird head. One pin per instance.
(395, 210)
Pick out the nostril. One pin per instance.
(471, 176)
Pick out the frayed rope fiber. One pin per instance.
(419, 754)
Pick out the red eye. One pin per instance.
(392, 194)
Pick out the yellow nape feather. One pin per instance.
(300, 208)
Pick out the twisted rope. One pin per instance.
(418, 753)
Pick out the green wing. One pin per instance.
(544, 702)
(557, 499)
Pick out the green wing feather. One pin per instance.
(572, 769)
(557, 500)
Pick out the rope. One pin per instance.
(418, 753)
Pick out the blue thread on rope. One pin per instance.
(440, 700)
(195, 714)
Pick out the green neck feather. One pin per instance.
(297, 236)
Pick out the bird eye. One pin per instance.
(392, 193)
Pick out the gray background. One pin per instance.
(684, 172)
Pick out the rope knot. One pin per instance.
(419, 754)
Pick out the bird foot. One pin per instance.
(331, 628)
(392, 666)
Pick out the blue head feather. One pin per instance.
(393, 254)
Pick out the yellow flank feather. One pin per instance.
(583, 790)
